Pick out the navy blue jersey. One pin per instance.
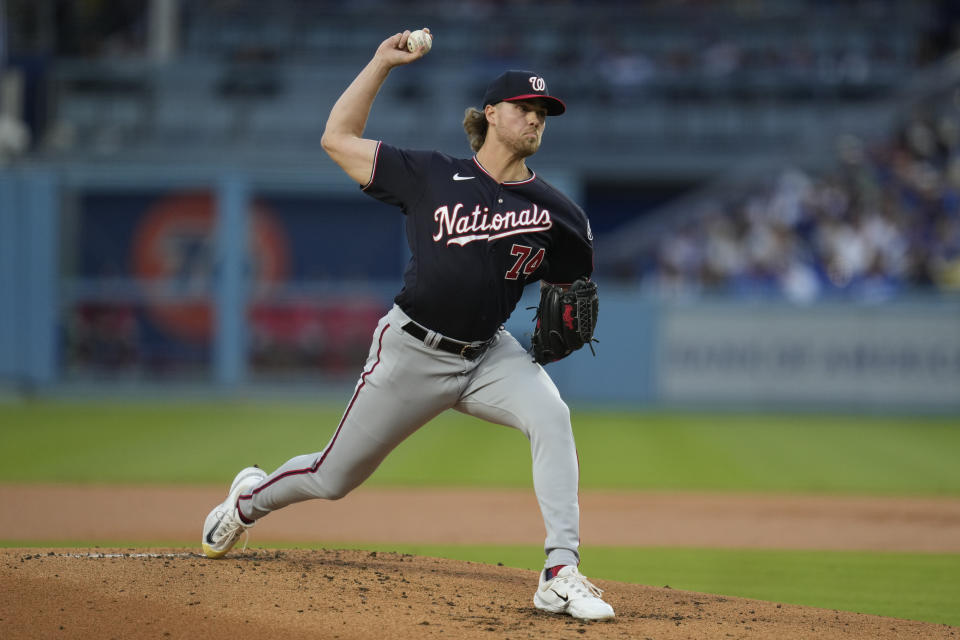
(475, 242)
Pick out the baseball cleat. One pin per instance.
(571, 593)
(223, 526)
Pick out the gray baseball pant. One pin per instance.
(405, 384)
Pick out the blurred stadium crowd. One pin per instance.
(884, 222)
(718, 59)
(880, 221)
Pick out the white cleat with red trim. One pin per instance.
(570, 592)
(223, 525)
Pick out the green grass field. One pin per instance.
(190, 443)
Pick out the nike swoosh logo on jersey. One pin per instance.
(459, 177)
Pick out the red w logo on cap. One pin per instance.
(538, 83)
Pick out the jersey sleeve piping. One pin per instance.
(373, 169)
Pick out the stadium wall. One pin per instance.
(901, 355)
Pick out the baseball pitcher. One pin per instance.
(480, 229)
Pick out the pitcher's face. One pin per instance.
(519, 125)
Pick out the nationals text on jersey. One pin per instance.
(479, 224)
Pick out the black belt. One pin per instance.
(468, 350)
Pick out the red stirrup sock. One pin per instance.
(553, 571)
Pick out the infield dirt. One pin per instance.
(359, 594)
(176, 593)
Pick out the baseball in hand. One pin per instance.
(418, 39)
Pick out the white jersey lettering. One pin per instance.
(454, 228)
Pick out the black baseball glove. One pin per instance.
(565, 320)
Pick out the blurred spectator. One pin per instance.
(886, 221)
(14, 134)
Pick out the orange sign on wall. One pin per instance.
(174, 257)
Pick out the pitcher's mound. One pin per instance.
(289, 594)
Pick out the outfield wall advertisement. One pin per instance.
(897, 356)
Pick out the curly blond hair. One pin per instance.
(475, 124)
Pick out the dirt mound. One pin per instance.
(100, 593)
